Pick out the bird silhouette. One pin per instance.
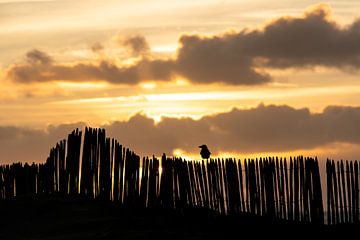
(205, 153)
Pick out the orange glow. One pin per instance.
(171, 48)
(332, 151)
(148, 85)
(82, 85)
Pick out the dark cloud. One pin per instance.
(216, 59)
(30, 145)
(237, 58)
(97, 47)
(104, 71)
(261, 129)
(312, 40)
(137, 45)
(36, 56)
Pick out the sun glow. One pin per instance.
(171, 48)
(189, 104)
(148, 85)
(327, 151)
(82, 85)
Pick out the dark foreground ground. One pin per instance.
(54, 218)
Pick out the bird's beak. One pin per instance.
(200, 146)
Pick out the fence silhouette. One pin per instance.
(342, 192)
(97, 167)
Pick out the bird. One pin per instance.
(205, 153)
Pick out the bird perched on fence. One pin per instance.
(205, 153)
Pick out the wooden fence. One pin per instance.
(98, 167)
(342, 192)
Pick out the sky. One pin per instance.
(245, 77)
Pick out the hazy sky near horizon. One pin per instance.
(246, 77)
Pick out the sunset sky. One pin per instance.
(245, 77)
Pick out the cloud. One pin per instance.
(36, 56)
(236, 58)
(97, 47)
(261, 129)
(216, 59)
(311, 40)
(104, 71)
(30, 145)
(137, 45)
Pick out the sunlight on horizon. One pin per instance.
(199, 104)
